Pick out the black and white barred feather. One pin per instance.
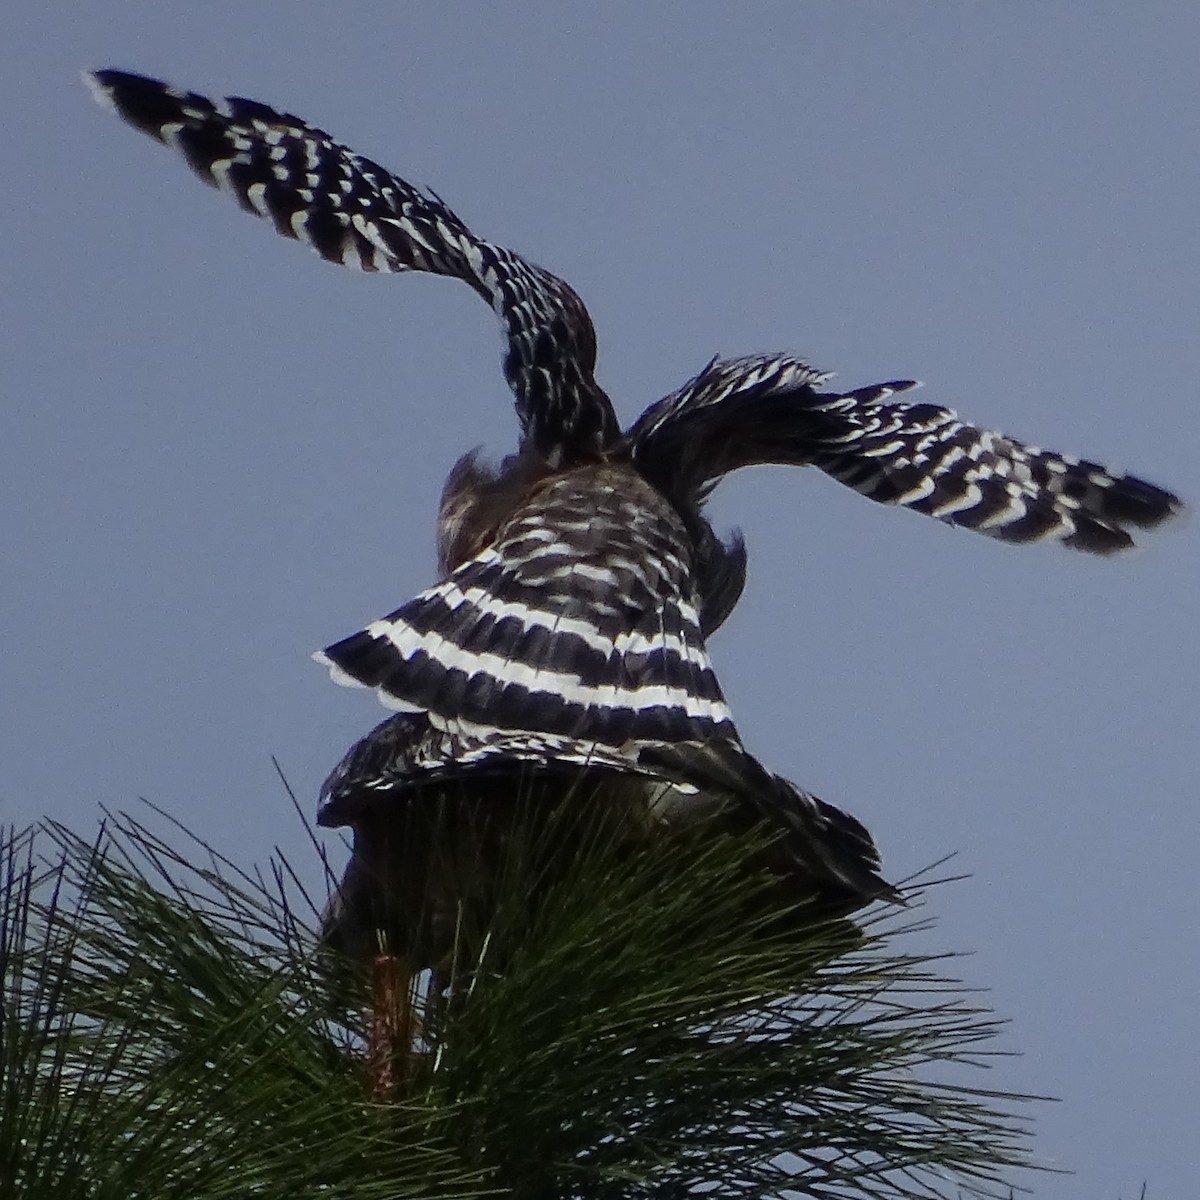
(767, 409)
(682, 778)
(580, 618)
(353, 212)
(735, 413)
(580, 580)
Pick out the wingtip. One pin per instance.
(1180, 514)
(1175, 514)
(1176, 511)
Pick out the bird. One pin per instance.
(579, 580)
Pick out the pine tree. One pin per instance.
(649, 1023)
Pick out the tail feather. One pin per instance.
(580, 619)
(825, 854)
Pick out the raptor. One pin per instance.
(579, 580)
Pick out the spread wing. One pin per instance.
(767, 409)
(352, 211)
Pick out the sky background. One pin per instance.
(219, 453)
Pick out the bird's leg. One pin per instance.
(390, 1030)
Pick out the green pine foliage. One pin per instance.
(643, 1022)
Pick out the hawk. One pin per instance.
(580, 579)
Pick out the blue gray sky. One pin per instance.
(220, 453)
